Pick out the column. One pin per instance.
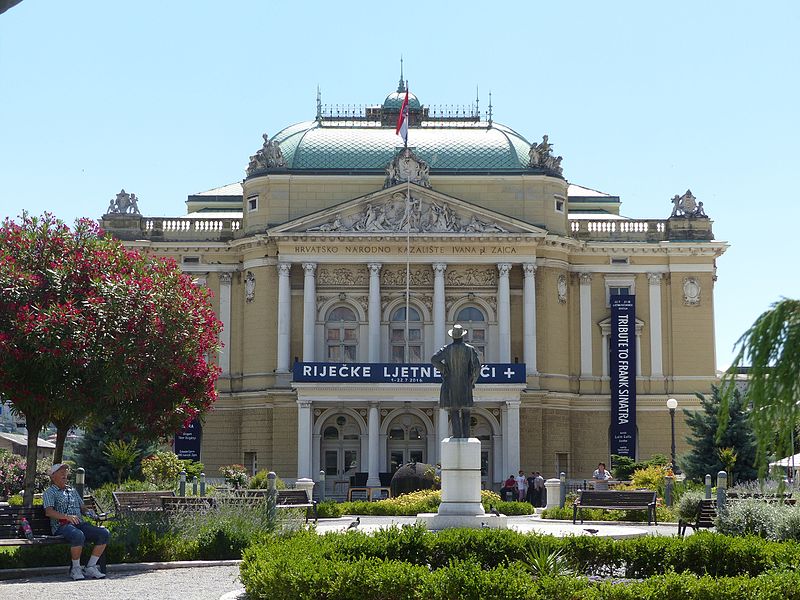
(373, 433)
(439, 322)
(225, 317)
(309, 311)
(304, 439)
(512, 414)
(586, 324)
(656, 365)
(529, 317)
(374, 313)
(506, 436)
(504, 313)
(284, 316)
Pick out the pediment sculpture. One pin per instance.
(123, 203)
(268, 157)
(415, 215)
(540, 156)
(407, 167)
(687, 206)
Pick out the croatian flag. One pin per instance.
(402, 121)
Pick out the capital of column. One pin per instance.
(512, 404)
(225, 278)
(654, 278)
(529, 269)
(439, 268)
(503, 269)
(374, 268)
(304, 403)
(284, 268)
(585, 278)
(309, 268)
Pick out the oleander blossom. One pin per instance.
(89, 327)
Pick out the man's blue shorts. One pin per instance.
(78, 535)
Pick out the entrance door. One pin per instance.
(407, 441)
(340, 454)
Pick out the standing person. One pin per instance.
(522, 485)
(460, 366)
(64, 506)
(530, 494)
(539, 490)
(601, 477)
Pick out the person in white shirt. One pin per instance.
(522, 485)
(601, 477)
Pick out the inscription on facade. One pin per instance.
(428, 249)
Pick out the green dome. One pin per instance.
(395, 100)
(367, 146)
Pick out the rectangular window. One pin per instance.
(252, 203)
(191, 260)
(560, 202)
(619, 291)
(251, 463)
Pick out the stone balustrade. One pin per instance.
(135, 227)
(648, 230)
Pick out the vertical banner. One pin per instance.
(187, 442)
(622, 365)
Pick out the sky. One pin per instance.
(643, 101)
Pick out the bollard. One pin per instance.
(202, 484)
(194, 486)
(80, 481)
(272, 494)
(271, 482)
(182, 484)
(563, 491)
(708, 487)
(321, 483)
(722, 484)
(668, 482)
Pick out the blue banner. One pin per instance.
(622, 365)
(187, 442)
(319, 372)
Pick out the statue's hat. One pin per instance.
(457, 332)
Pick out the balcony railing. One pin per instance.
(648, 230)
(170, 228)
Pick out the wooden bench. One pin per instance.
(706, 514)
(91, 503)
(616, 500)
(133, 502)
(11, 532)
(178, 504)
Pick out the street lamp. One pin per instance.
(672, 404)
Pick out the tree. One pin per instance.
(707, 453)
(122, 455)
(770, 349)
(90, 452)
(89, 328)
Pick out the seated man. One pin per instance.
(64, 506)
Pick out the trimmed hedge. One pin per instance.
(411, 563)
(423, 501)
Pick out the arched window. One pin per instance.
(397, 335)
(341, 335)
(473, 320)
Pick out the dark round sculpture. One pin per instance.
(412, 477)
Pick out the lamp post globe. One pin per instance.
(672, 404)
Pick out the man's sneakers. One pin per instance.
(93, 572)
(76, 573)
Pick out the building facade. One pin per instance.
(341, 260)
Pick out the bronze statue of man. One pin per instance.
(460, 367)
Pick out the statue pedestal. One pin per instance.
(461, 489)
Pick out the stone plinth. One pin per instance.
(461, 489)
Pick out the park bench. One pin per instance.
(296, 499)
(181, 504)
(133, 502)
(616, 500)
(91, 503)
(11, 532)
(706, 514)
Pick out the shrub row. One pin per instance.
(752, 516)
(414, 503)
(412, 564)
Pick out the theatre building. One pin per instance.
(343, 258)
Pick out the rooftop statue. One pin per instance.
(268, 157)
(541, 157)
(687, 206)
(124, 203)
